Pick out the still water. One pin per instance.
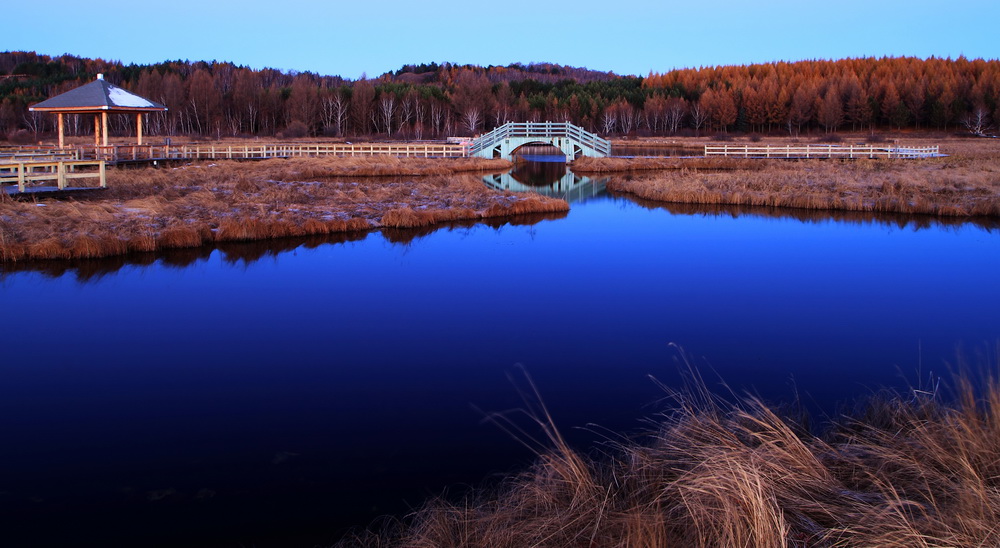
(275, 394)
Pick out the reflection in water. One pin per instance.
(405, 236)
(570, 187)
(537, 170)
(246, 253)
(902, 221)
(535, 173)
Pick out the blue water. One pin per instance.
(275, 396)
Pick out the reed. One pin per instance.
(198, 204)
(906, 470)
(966, 183)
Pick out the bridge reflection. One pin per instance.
(569, 187)
(549, 179)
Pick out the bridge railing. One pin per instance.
(540, 130)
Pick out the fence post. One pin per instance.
(103, 172)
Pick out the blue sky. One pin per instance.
(372, 37)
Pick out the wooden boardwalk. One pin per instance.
(37, 176)
(115, 154)
(802, 152)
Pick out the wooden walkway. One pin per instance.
(31, 177)
(115, 154)
(801, 152)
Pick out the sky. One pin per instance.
(371, 37)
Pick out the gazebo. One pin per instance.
(100, 99)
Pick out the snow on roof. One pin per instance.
(97, 95)
(121, 98)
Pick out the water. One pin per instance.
(275, 394)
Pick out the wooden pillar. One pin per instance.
(97, 129)
(104, 127)
(62, 140)
(138, 129)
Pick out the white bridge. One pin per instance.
(572, 140)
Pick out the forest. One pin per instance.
(430, 101)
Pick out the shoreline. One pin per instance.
(965, 184)
(200, 203)
(197, 204)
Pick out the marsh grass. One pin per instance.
(908, 469)
(202, 203)
(964, 184)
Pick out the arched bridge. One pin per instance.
(572, 140)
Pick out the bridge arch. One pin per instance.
(572, 140)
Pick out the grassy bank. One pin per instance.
(966, 183)
(152, 209)
(904, 471)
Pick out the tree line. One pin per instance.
(428, 101)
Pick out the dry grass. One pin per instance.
(153, 209)
(587, 165)
(965, 184)
(908, 471)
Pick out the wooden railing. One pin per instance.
(821, 151)
(13, 155)
(23, 173)
(125, 153)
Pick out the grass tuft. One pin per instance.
(905, 470)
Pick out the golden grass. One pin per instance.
(907, 471)
(152, 209)
(965, 184)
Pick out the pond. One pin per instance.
(276, 394)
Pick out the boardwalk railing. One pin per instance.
(125, 153)
(54, 155)
(540, 130)
(61, 172)
(821, 151)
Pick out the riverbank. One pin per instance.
(966, 183)
(153, 209)
(906, 470)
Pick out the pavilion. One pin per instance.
(100, 99)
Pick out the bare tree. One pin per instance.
(418, 115)
(470, 119)
(437, 116)
(387, 108)
(609, 120)
(699, 115)
(675, 111)
(626, 117)
(406, 108)
(977, 121)
(34, 122)
(335, 107)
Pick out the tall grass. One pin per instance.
(151, 209)
(907, 470)
(965, 184)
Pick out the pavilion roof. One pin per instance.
(96, 96)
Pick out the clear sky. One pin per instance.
(375, 36)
